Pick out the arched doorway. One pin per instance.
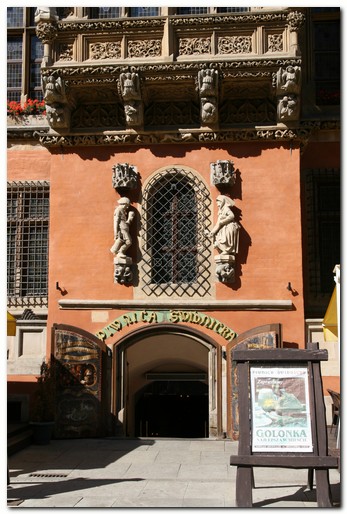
(172, 408)
(167, 383)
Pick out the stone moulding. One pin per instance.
(300, 135)
(98, 70)
(270, 305)
(112, 25)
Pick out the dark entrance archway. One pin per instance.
(167, 383)
(172, 408)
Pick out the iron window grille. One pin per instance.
(323, 229)
(176, 251)
(27, 243)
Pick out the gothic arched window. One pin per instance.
(176, 251)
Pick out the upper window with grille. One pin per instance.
(27, 243)
(176, 252)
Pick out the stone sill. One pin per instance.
(204, 305)
(31, 120)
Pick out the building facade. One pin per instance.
(180, 188)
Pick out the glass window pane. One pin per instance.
(36, 48)
(14, 75)
(232, 9)
(143, 11)
(15, 17)
(14, 48)
(14, 96)
(192, 10)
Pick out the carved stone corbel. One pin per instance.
(222, 173)
(130, 91)
(57, 103)
(208, 92)
(288, 86)
(125, 175)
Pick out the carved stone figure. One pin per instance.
(289, 80)
(124, 175)
(54, 90)
(129, 86)
(208, 91)
(209, 112)
(225, 233)
(222, 173)
(121, 222)
(58, 112)
(45, 14)
(123, 274)
(288, 108)
(207, 81)
(225, 272)
(58, 116)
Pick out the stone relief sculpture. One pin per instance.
(288, 82)
(57, 109)
(208, 91)
(122, 219)
(222, 173)
(225, 233)
(129, 85)
(225, 237)
(124, 175)
(288, 79)
(45, 14)
(288, 108)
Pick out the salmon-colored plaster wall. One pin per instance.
(267, 193)
(28, 162)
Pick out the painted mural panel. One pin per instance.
(81, 363)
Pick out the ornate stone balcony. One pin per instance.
(168, 79)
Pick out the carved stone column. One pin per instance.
(46, 30)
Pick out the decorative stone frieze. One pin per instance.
(125, 176)
(65, 52)
(194, 46)
(105, 50)
(300, 134)
(144, 48)
(236, 19)
(235, 45)
(295, 20)
(222, 173)
(275, 43)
